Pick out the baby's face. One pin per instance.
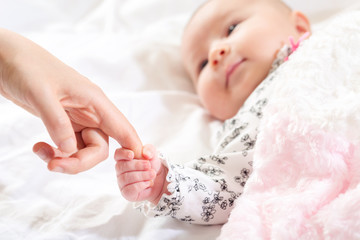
(229, 46)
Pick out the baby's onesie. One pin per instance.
(204, 191)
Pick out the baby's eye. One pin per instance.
(231, 28)
(203, 64)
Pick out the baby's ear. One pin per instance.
(301, 22)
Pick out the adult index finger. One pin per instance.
(116, 125)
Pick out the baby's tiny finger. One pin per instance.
(123, 154)
(135, 177)
(130, 166)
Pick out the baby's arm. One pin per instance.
(201, 192)
(141, 179)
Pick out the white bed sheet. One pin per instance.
(130, 48)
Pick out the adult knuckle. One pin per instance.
(59, 122)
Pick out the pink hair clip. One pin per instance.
(294, 45)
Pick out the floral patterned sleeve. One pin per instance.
(204, 191)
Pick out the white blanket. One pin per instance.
(130, 48)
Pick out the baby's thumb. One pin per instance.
(58, 125)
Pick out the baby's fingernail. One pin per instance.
(58, 169)
(43, 155)
(130, 155)
(68, 146)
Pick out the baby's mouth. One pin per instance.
(230, 70)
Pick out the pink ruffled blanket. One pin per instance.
(306, 176)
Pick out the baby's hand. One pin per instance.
(141, 179)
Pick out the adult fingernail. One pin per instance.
(147, 153)
(58, 169)
(68, 145)
(43, 155)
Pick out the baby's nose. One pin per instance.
(217, 54)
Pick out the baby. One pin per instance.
(231, 50)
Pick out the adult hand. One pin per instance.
(77, 114)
